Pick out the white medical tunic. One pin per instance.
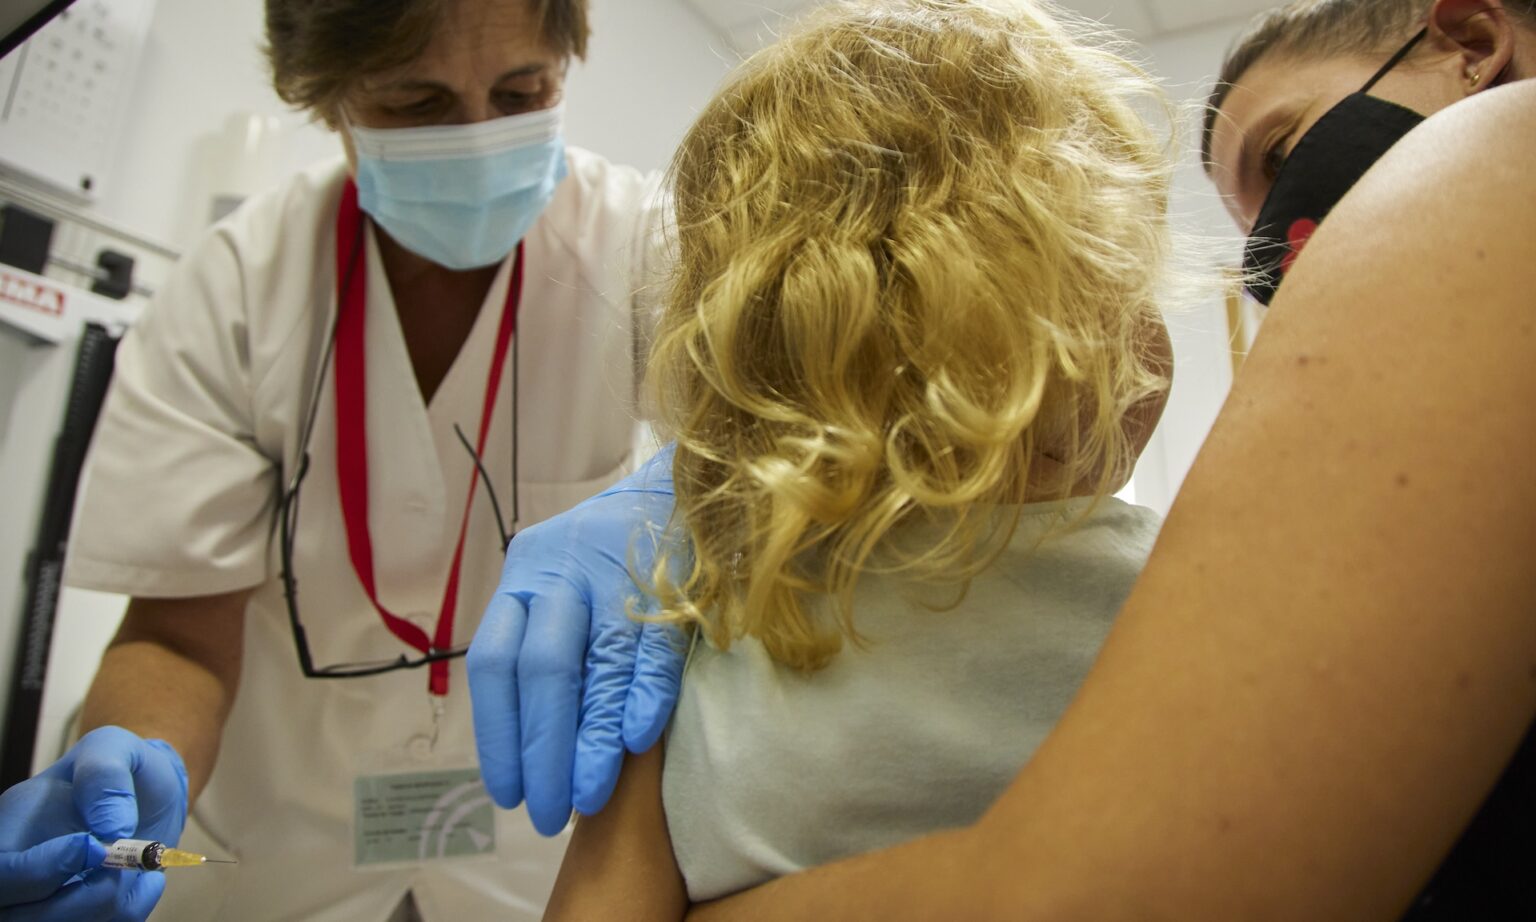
(181, 498)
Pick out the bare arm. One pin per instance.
(171, 673)
(1332, 653)
(620, 864)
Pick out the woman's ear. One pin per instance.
(1480, 33)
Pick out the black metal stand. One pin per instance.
(45, 564)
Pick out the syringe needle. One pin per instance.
(144, 855)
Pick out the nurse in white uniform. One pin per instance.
(315, 444)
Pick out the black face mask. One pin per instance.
(1329, 159)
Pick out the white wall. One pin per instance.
(1186, 64)
(652, 66)
(201, 67)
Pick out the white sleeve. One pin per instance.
(178, 500)
(654, 257)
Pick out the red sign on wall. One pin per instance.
(32, 294)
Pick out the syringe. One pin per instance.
(144, 855)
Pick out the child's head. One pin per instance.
(919, 243)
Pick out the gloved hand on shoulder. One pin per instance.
(562, 679)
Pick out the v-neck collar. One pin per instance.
(414, 455)
(468, 366)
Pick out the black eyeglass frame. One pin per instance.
(288, 511)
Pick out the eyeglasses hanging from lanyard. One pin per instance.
(352, 474)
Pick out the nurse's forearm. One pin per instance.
(171, 673)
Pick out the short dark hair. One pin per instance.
(319, 49)
(1320, 29)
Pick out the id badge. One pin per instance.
(410, 810)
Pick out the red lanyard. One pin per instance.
(352, 436)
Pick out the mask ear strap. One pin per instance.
(1396, 59)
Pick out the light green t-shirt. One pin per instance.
(769, 771)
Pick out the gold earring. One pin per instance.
(1477, 77)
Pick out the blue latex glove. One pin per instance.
(561, 679)
(110, 785)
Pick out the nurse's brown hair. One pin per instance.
(319, 49)
(1318, 29)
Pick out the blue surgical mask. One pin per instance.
(461, 195)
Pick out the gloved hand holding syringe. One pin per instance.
(147, 855)
(56, 827)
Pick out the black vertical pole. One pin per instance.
(45, 563)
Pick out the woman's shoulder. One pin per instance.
(1479, 148)
(254, 278)
(1445, 218)
(268, 248)
(598, 192)
(603, 209)
(1504, 118)
(274, 238)
(293, 213)
(593, 173)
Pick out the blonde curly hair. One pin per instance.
(919, 248)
